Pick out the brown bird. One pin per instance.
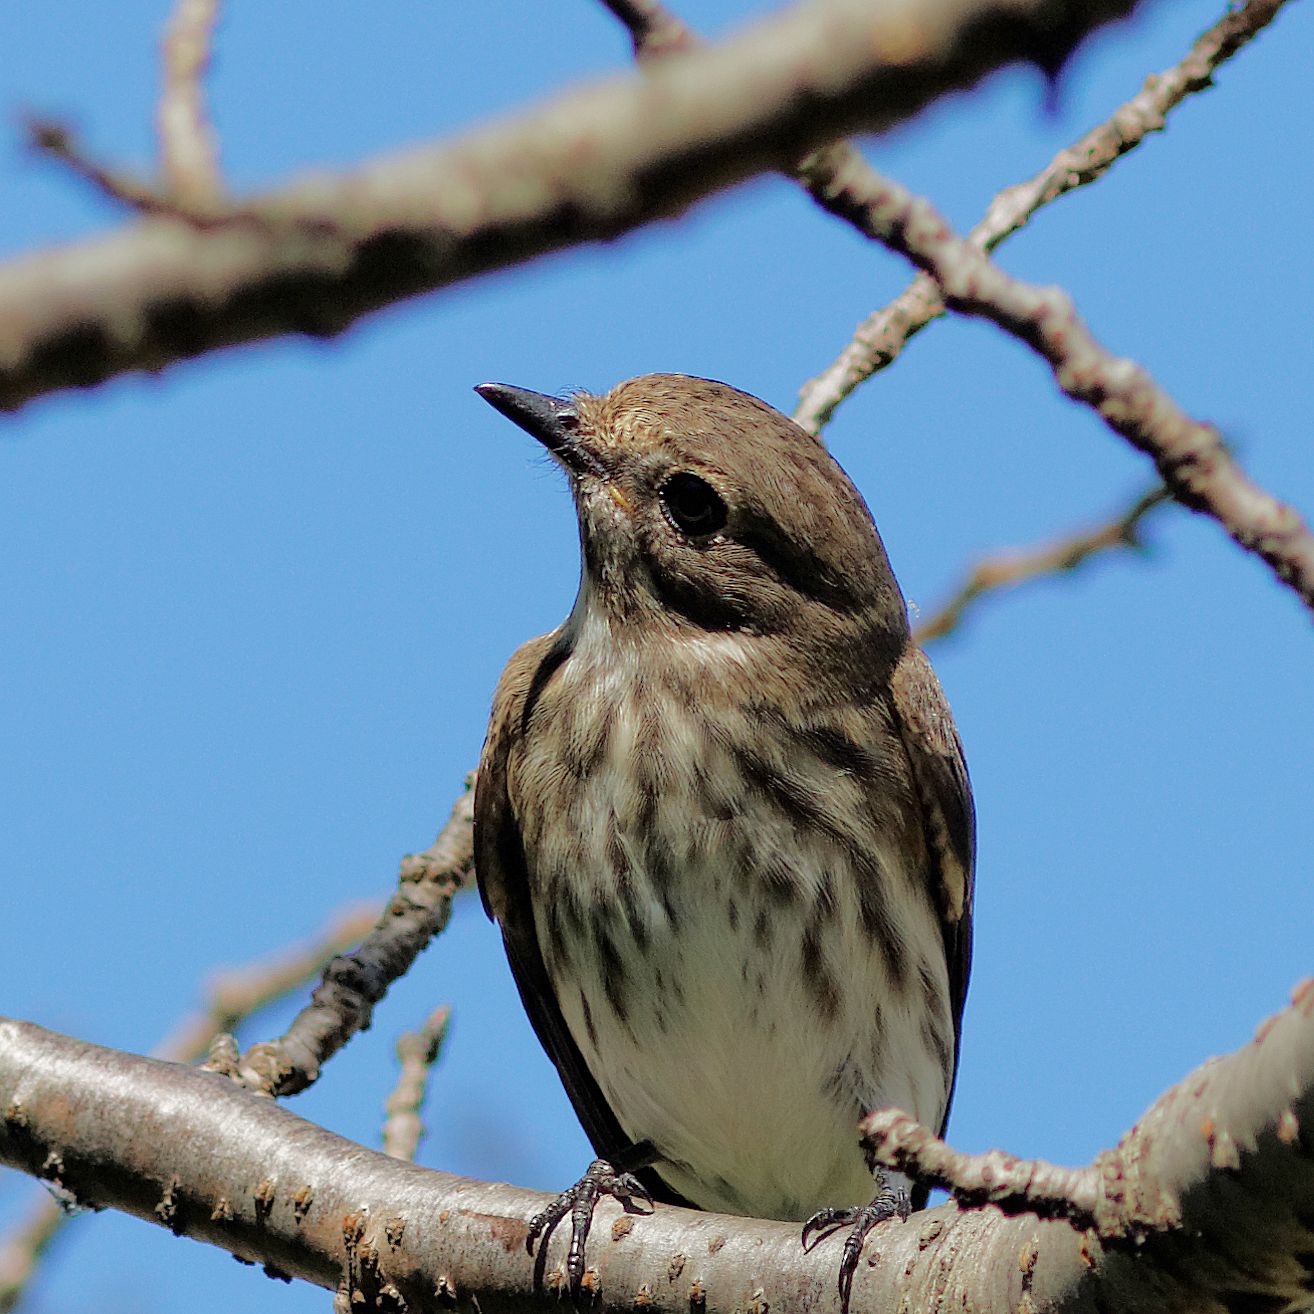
(724, 821)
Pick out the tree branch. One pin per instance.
(343, 1003)
(1227, 1154)
(189, 158)
(881, 337)
(1196, 467)
(1190, 456)
(318, 255)
(230, 999)
(1006, 570)
(417, 1052)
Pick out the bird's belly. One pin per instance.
(743, 1030)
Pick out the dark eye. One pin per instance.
(693, 505)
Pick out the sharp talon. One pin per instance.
(860, 1221)
(579, 1202)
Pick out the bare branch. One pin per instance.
(230, 999)
(344, 1001)
(1190, 456)
(233, 996)
(1227, 1153)
(1147, 1185)
(881, 337)
(26, 1246)
(590, 165)
(1006, 570)
(417, 1051)
(1195, 465)
(57, 141)
(189, 160)
(653, 29)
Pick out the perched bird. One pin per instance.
(724, 822)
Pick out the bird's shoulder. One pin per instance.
(525, 672)
(939, 774)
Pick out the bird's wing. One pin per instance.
(940, 774)
(504, 886)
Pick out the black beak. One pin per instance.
(549, 419)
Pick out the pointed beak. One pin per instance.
(555, 423)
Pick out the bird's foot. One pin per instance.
(889, 1203)
(579, 1202)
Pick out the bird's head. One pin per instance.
(704, 510)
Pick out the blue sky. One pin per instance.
(255, 608)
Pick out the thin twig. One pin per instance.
(417, 1051)
(343, 1003)
(231, 998)
(1125, 1193)
(1006, 570)
(189, 162)
(1191, 457)
(880, 338)
(57, 141)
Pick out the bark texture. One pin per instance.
(1206, 1205)
(313, 258)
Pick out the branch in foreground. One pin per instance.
(343, 1003)
(881, 337)
(1219, 1176)
(1006, 570)
(590, 165)
(231, 998)
(417, 1052)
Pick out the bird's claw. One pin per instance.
(579, 1201)
(860, 1221)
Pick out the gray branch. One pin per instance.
(1213, 1196)
(317, 255)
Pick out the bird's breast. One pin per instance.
(741, 951)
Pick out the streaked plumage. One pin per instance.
(722, 816)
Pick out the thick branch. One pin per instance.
(589, 165)
(882, 336)
(1218, 1178)
(230, 999)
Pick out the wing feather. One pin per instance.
(504, 886)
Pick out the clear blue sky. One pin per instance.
(254, 609)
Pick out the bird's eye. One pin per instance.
(693, 506)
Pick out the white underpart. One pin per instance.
(724, 1059)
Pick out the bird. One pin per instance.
(723, 820)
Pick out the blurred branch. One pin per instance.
(1200, 1206)
(589, 165)
(57, 141)
(883, 335)
(1006, 570)
(231, 998)
(417, 1052)
(343, 1003)
(189, 161)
